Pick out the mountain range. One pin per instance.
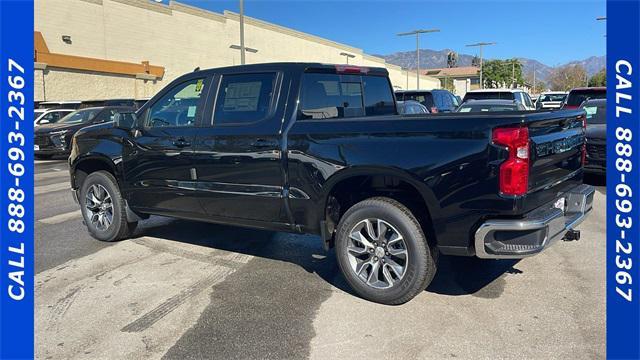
(430, 59)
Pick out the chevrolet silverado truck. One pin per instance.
(321, 149)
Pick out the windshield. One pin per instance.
(485, 108)
(80, 116)
(576, 97)
(596, 114)
(502, 95)
(552, 97)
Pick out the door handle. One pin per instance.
(181, 142)
(262, 144)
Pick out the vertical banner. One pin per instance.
(16, 180)
(623, 182)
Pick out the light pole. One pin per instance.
(417, 34)
(242, 49)
(347, 55)
(481, 45)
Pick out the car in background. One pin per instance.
(596, 156)
(411, 107)
(59, 104)
(55, 139)
(49, 116)
(551, 100)
(490, 106)
(578, 95)
(437, 100)
(517, 95)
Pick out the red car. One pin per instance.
(578, 95)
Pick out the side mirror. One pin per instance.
(43, 121)
(124, 120)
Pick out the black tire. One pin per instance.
(43, 157)
(422, 258)
(119, 228)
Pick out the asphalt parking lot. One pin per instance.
(188, 290)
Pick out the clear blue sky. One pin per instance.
(552, 32)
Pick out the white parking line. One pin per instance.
(60, 218)
(51, 188)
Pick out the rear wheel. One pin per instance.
(383, 252)
(103, 208)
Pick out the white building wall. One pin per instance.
(177, 37)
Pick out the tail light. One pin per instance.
(346, 69)
(514, 172)
(434, 109)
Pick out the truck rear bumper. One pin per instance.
(519, 238)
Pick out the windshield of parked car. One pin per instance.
(80, 116)
(552, 97)
(577, 97)
(596, 114)
(498, 95)
(485, 108)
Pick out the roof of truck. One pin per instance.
(299, 66)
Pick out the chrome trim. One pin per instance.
(555, 222)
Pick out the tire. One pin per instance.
(96, 184)
(419, 261)
(43, 157)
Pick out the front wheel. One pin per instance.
(383, 252)
(103, 208)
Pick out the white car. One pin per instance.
(49, 116)
(551, 100)
(518, 95)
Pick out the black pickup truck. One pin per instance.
(321, 149)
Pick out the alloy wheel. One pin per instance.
(99, 207)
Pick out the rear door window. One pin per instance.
(378, 99)
(244, 98)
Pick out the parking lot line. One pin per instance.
(60, 218)
(51, 188)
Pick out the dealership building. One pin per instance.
(102, 49)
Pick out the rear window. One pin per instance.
(552, 97)
(596, 114)
(577, 97)
(331, 96)
(498, 95)
(424, 98)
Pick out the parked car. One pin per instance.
(411, 107)
(55, 139)
(518, 95)
(49, 116)
(578, 95)
(490, 106)
(436, 100)
(321, 149)
(59, 104)
(596, 156)
(551, 100)
(108, 102)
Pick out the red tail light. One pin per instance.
(514, 172)
(347, 69)
(434, 109)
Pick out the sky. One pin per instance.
(553, 32)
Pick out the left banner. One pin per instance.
(16, 180)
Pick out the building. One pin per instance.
(458, 79)
(99, 49)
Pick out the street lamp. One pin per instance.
(347, 55)
(242, 51)
(481, 45)
(417, 34)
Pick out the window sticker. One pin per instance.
(199, 85)
(191, 112)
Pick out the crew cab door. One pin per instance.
(159, 158)
(239, 168)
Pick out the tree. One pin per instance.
(568, 77)
(599, 79)
(502, 73)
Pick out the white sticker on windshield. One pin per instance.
(590, 110)
(191, 112)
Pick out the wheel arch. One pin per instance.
(89, 163)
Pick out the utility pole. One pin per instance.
(534, 78)
(347, 55)
(481, 45)
(242, 49)
(417, 34)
